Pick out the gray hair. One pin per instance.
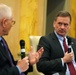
(5, 11)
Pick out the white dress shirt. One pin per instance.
(60, 38)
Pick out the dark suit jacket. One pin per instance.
(50, 62)
(5, 65)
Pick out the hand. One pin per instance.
(35, 56)
(68, 57)
(23, 64)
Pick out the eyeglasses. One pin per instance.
(13, 22)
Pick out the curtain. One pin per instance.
(28, 20)
(73, 14)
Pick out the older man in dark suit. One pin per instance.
(7, 64)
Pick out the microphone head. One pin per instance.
(22, 44)
(69, 41)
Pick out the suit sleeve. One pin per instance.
(9, 71)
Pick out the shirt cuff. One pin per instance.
(62, 62)
(19, 69)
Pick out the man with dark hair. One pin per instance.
(59, 57)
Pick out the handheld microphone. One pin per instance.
(22, 46)
(69, 44)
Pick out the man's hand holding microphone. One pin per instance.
(32, 58)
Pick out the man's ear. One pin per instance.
(3, 23)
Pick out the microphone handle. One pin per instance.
(69, 48)
(22, 53)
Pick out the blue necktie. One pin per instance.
(7, 51)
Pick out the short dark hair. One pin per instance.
(63, 14)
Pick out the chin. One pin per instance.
(62, 35)
(6, 34)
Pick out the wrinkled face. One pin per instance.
(6, 25)
(62, 25)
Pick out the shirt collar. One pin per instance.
(59, 37)
(0, 38)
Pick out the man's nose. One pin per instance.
(62, 26)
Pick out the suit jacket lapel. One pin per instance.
(57, 44)
(2, 50)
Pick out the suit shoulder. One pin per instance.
(47, 37)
